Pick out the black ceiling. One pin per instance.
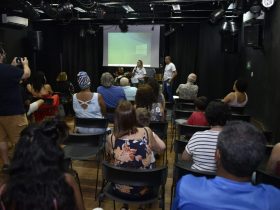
(107, 11)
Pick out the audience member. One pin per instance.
(40, 89)
(273, 165)
(131, 147)
(188, 90)
(87, 104)
(129, 91)
(169, 75)
(198, 117)
(37, 176)
(145, 98)
(138, 74)
(202, 146)
(118, 75)
(156, 91)
(111, 94)
(12, 114)
(150, 72)
(240, 150)
(237, 98)
(63, 85)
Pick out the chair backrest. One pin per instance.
(262, 177)
(91, 122)
(246, 118)
(160, 128)
(180, 170)
(237, 110)
(185, 106)
(84, 139)
(180, 100)
(189, 130)
(182, 114)
(134, 177)
(179, 147)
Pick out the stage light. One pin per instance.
(128, 8)
(256, 8)
(176, 7)
(225, 27)
(229, 27)
(80, 10)
(233, 27)
(170, 31)
(48, 9)
(267, 3)
(216, 15)
(123, 26)
(66, 8)
(29, 10)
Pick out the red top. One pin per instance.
(197, 118)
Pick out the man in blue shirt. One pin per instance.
(240, 150)
(129, 91)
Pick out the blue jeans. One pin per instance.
(167, 88)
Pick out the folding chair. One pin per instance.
(246, 118)
(152, 178)
(85, 147)
(181, 170)
(99, 123)
(160, 128)
(178, 114)
(237, 110)
(263, 177)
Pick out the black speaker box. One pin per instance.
(253, 35)
(229, 43)
(36, 40)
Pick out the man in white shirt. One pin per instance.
(169, 75)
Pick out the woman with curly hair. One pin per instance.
(37, 176)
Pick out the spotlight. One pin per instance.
(256, 8)
(267, 3)
(123, 26)
(66, 8)
(229, 27)
(233, 27)
(29, 10)
(170, 31)
(48, 9)
(225, 27)
(217, 15)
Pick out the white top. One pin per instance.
(235, 103)
(168, 70)
(202, 148)
(139, 74)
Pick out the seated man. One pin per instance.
(240, 150)
(129, 91)
(188, 90)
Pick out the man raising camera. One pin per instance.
(12, 114)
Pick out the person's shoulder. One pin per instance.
(192, 182)
(69, 179)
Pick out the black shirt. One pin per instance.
(10, 95)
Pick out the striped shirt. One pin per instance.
(202, 148)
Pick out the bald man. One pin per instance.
(129, 91)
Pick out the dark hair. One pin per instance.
(125, 119)
(37, 172)
(241, 85)
(144, 96)
(155, 86)
(141, 62)
(201, 103)
(38, 80)
(241, 147)
(217, 113)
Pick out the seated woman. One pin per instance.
(201, 148)
(237, 98)
(87, 104)
(37, 176)
(156, 91)
(131, 147)
(39, 89)
(273, 165)
(146, 98)
(188, 90)
(198, 116)
(112, 95)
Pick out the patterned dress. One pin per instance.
(132, 153)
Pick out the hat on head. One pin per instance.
(83, 80)
(192, 77)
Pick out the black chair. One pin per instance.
(181, 170)
(246, 118)
(180, 100)
(92, 123)
(185, 132)
(263, 177)
(154, 178)
(179, 147)
(110, 114)
(160, 128)
(185, 106)
(237, 110)
(85, 147)
(178, 114)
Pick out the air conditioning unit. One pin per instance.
(14, 20)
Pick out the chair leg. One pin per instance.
(171, 198)
(96, 183)
(114, 204)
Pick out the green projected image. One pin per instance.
(127, 48)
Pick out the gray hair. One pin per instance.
(107, 79)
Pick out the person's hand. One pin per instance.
(14, 62)
(24, 61)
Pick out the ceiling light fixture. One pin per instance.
(216, 15)
(176, 7)
(267, 3)
(128, 8)
(48, 9)
(80, 10)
